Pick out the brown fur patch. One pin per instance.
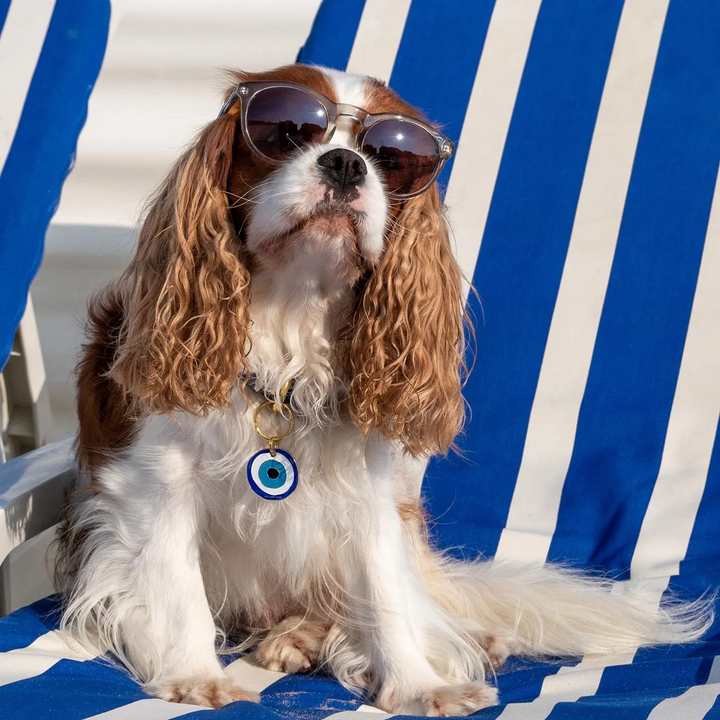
(185, 335)
(381, 99)
(107, 423)
(405, 344)
(412, 513)
(307, 75)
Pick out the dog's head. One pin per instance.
(313, 174)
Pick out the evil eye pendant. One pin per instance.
(272, 478)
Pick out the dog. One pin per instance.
(289, 332)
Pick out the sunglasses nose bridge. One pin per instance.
(348, 123)
(346, 130)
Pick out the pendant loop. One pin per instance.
(272, 473)
(290, 417)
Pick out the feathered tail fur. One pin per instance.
(554, 610)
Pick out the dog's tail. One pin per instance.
(553, 610)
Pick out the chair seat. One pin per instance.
(584, 204)
(41, 677)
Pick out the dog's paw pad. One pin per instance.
(214, 693)
(453, 700)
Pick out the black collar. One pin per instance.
(253, 381)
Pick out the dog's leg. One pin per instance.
(293, 645)
(139, 589)
(420, 661)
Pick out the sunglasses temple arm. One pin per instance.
(229, 102)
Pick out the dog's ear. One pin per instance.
(405, 351)
(184, 337)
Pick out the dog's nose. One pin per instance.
(343, 169)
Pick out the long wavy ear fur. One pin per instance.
(184, 339)
(406, 343)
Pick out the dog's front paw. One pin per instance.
(214, 693)
(292, 646)
(443, 701)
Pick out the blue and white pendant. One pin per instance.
(272, 478)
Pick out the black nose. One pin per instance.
(343, 169)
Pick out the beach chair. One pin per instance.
(50, 55)
(44, 85)
(582, 199)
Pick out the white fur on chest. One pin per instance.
(262, 558)
(294, 326)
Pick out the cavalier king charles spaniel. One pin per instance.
(288, 334)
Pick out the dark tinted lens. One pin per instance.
(283, 119)
(404, 153)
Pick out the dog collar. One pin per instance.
(253, 380)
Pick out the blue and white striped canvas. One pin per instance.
(50, 55)
(582, 199)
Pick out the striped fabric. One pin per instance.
(582, 201)
(40, 677)
(50, 56)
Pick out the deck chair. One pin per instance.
(50, 56)
(582, 199)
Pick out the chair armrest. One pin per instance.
(32, 488)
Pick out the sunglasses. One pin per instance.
(279, 118)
